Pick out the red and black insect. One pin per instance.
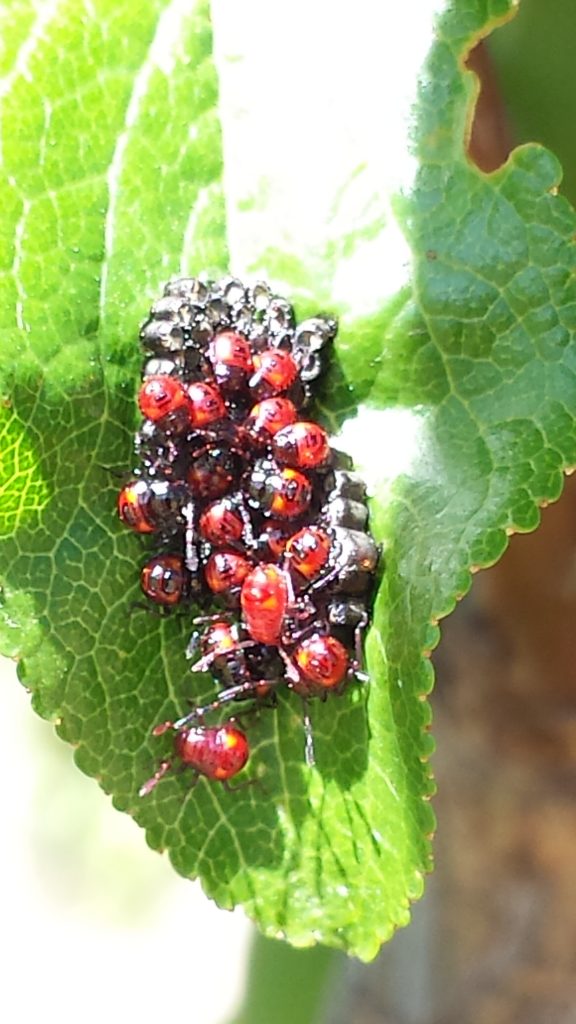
(301, 445)
(275, 372)
(163, 397)
(225, 572)
(323, 664)
(231, 357)
(332, 556)
(264, 600)
(279, 492)
(234, 660)
(152, 505)
(227, 522)
(213, 472)
(308, 552)
(216, 752)
(165, 580)
(266, 418)
(133, 506)
(207, 406)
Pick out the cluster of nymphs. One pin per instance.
(250, 507)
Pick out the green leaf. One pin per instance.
(453, 382)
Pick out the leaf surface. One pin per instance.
(151, 148)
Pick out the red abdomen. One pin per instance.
(264, 599)
(218, 752)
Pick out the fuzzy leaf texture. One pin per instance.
(140, 142)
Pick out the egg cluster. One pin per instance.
(250, 506)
